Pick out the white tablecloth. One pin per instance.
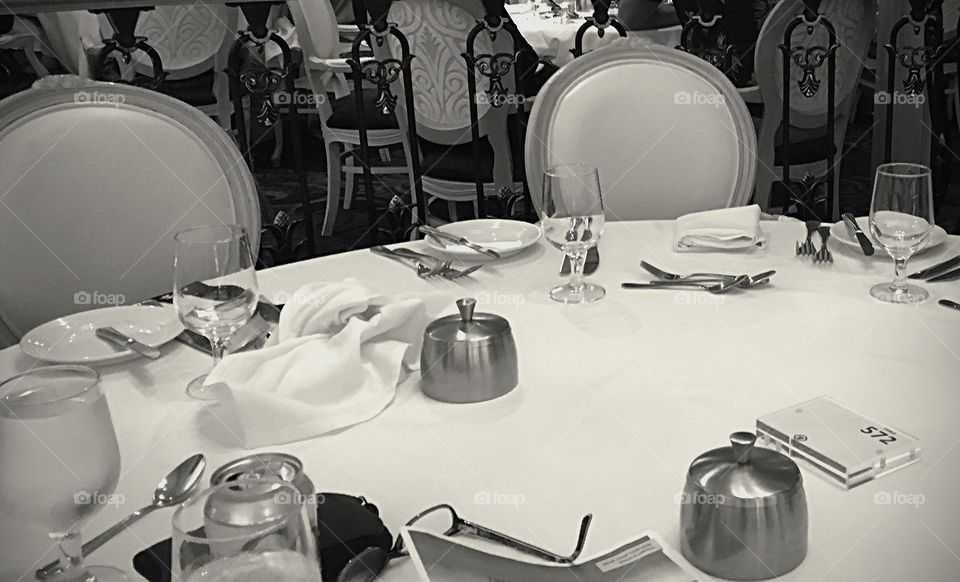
(553, 38)
(615, 399)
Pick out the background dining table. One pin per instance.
(614, 401)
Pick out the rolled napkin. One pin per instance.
(334, 361)
(725, 229)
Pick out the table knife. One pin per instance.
(864, 241)
(948, 276)
(114, 336)
(949, 304)
(458, 239)
(936, 269)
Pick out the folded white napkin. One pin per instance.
(727, 228)
(334, 361)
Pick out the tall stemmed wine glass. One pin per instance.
(572, 220)
(901, 219)
(60, 457)
(214, 288)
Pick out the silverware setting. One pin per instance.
(114, 336)
(427, 266)
(863, 239)
(176, 487)
(437, 233)
(715, 287)
(806, 248)
(702, 279)
(823, 255)
(930, 273)
(667, 276)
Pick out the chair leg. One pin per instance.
(333, 186)
(385, 155)
(415, 217)
(836, 193)
(348, 185)
(278, 144)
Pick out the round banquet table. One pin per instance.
(615, 399)
(553, 38)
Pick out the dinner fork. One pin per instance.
(448, 272)
(667, 276)
(823, 255)
(807, 248)
(423, 271)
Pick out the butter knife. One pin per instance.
(948, 276)
(936, 269)
(458, 239)
(864, 241)
(115, 337)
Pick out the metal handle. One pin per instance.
(466, 307)
(742, 443)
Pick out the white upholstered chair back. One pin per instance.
(94, 183)
(666, 130)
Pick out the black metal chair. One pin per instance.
(601, 21)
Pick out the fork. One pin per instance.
(806, 248)
(423, 271)
(823, 255)
(448, 272)
(667, 276)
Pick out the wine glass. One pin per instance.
(572, 220)
(901, 219)
(214, 288)
(61, 458)
(250, 530)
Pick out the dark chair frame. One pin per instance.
(601, 20)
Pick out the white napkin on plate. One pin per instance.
(334, 361)
(727, 229)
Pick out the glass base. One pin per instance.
(586, 293)
(197, 391)
(887, 293)
(91, 574)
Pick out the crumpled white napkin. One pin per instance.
(334, 361)
(727, 229)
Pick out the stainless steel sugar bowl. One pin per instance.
(470, 357)
(743, 513)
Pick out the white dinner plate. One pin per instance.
(507, 237)
(72, 339)
(842, 233)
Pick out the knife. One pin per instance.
(949, 304)
(948, 276)
(112, 335)
(458, 239)
(936, 269)
(864, 241)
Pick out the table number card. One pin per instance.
(846, 446)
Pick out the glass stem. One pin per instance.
(217, 346)
(72, 549)
(900, 269)
(576, 270)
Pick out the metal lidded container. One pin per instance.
(276, 465)
(470, 357)
(743, 514)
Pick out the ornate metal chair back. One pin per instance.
(601, 20)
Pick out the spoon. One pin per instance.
(716, 288)
(178, 486)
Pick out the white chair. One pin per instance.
(666, 130)
(94, 183)
(809, 144)
(325, 71)
(437, 32)
(194, 43)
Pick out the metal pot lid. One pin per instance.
(468, 326)
(743, 471)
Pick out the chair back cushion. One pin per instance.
(94, 184)
(667, 131)
(854, 21)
